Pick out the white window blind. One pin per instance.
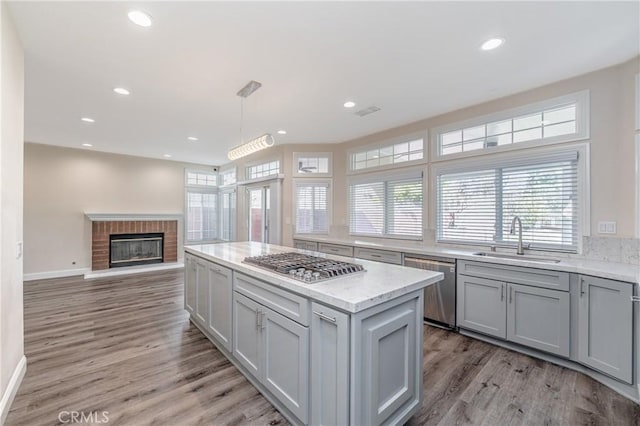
(387, 207)
(202, 216)
(312, 208)
(478, 206)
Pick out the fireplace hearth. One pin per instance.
(135, 249)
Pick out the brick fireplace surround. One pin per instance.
(103, 228)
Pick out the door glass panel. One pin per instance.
(256, 214)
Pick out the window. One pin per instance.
(201, 215)
(312, 207)
(310, 164)
(387, 155)
(228, 177)
(263, 170)
(556, 120)
(389, 207)
(227, 215)
(477, 206)
(201, 179)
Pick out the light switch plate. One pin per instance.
(607, 227)
(18, 250)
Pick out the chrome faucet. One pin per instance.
(513, 230)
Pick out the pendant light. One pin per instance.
(254, 145)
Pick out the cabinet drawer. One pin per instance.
(288, 304)
(335, 249)
(378, 255)
(305, 245)
(516, 274)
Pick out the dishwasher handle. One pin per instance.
(427, 262)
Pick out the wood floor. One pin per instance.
(125, 346)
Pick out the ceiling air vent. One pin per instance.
(367, 111)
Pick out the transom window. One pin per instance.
(228, 177)
(390, 207)
(478, 206)
(201, 179)
(312, 164)
(263, 170)
(387, 155)
(556, 120)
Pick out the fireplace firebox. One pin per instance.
(135, 249)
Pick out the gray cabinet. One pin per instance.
(336, 249)
(329, 366)
(202, 292)
(305, 245)
(386, 256)
(220, 304)
(605, 326)
(190, 284)
(387, 359)
(247, 334)
(539, 318)
(481, 305)
(285, 349)
(275, 350)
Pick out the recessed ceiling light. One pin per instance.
(492, 43)
(87, 145)
(121, 91)
(282, 132)
(349, 104)
(167, 155)
(88, 120)
(192, 138)
(138, 17)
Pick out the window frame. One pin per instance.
(200, 189)
(386, 143)
(298, 155)
(581, 99)
(512, 158)
(247, 166)
(221, 174)
(229, 189)
(389, 176)
(312, 182)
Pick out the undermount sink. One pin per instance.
(517, 257)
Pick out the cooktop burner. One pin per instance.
(302, 267)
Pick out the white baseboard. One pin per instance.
(12, 388)
(55, 274)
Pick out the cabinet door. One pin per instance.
(605, 326)
(286, 361)
(221, 303)
(482, 306)
(190, 284)
(202, 291)
(329, 366)
(539, 318)
(246, 333)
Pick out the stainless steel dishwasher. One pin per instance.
(439, 298)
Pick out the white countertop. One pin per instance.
(352, 293)
(611, 270)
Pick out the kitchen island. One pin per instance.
(346, 350)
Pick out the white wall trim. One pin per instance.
(133, 216)
(638, 186)
(12, 388)
(55, 274)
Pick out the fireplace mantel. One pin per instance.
(113, 217)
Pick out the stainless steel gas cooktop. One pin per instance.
(305, 268)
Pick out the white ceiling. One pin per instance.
(414, 60)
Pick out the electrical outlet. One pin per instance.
(19, 250)
(606, 227)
